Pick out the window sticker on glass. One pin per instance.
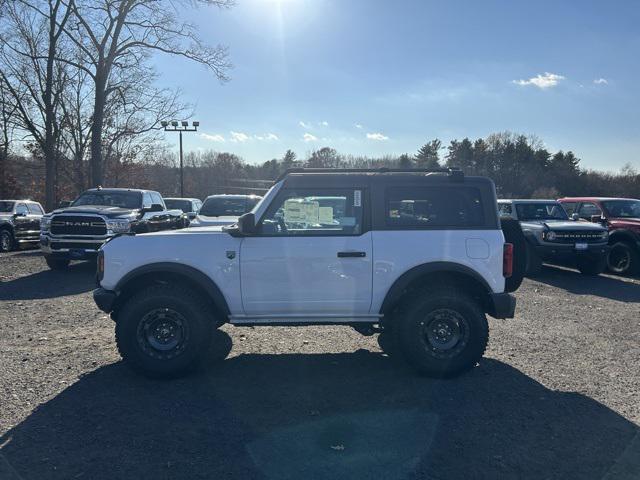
(357, 198)
(325, 215)
(300, 211)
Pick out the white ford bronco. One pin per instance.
(417, 256)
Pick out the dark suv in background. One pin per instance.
(19, 223)
(622, 217)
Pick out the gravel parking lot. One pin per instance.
(557, 396)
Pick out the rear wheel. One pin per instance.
(164, 331)
(7, 242)
(442, 333)
(623, 259)
(57, 263)
(592, 266)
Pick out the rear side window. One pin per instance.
(35, 209)
(434, 207)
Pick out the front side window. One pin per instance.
(314, 212)
(541, 211)
(434, 207)
(35, 209)
(156, 198)
(505, 209)
(21, 208)
(588, 209)
(569, 207)
(622, 208)
(109, 199)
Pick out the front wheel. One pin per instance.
(164, 331)
(592, 266)
(623, 259)
(7, 242)
(57, 263)
(442, 333)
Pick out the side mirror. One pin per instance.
(191, 215)
(575, 217)
(64, 203)
(155, 207)
(19, 214)
(247, 224)
(598, 219)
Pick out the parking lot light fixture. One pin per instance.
(180, 127)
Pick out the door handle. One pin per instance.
(352, 254)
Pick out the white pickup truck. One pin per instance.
(417, 256)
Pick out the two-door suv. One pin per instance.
(417, 256)
(553, 237)
(622, 217)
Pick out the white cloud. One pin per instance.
(307, 137)
(324, 123)
(377, 136)
(601, 81)
(547, 80)
(266, 136)
(212, 138)
(304, 125)
(358, 126)
(239, 137)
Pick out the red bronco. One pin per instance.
(622, 217)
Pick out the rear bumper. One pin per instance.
(502, 305)
(104, 299)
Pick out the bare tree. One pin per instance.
(117, 37)
(31, 72)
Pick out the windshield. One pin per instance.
(6, 207)
(541, 211)
(110, 199)
(184, 205)
(622, 208)
(228, 206)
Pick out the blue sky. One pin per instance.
(376, 77)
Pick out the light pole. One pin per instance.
(183, 126)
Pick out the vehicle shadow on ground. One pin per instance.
(78, 278)
(602, 286)
(320, 416)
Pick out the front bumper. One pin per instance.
(502, 305)
(72, 247)
(569, 251)
(105, 299)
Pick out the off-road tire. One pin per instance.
(633, 266)
(387, 343)
(7, 242)
(592, 266)
(188, 313)
(57, 263)
(416, 348)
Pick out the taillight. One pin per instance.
(507, 260)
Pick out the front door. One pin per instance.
(311, 256)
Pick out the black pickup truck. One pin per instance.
(77, 232)
(19, 223)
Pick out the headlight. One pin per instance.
(45, 224)
(550, 236)
(119, 225)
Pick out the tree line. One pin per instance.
(520, 166)
(77, 87)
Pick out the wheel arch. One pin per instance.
(624, 235)
(436, 273)
(169, 272)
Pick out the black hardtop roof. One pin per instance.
(115, 189)
(304, 177)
